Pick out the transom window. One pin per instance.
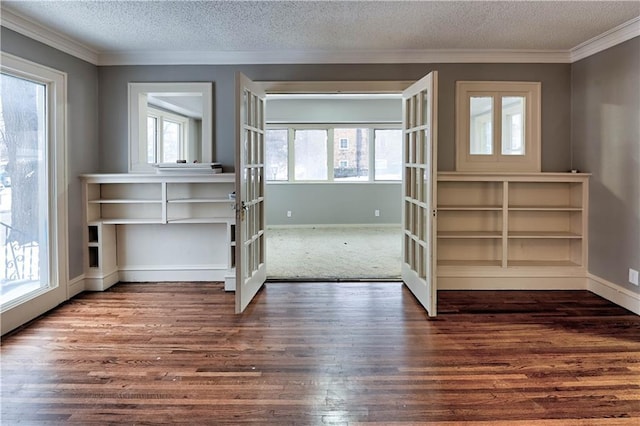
(497, 126)
(328, 153)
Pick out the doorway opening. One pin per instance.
(333, 165)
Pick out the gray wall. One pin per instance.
(333, 203)
(606, 142)
(334, 110)
(82, 126)
(556, 101)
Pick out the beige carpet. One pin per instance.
(334, 253)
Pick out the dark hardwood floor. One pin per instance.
(316, 353)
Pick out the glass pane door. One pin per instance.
(24, 219)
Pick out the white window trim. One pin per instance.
(56, 82)
(531, 161)
(346, 144)
(292, 127)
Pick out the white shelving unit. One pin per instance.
(512, 230)
(136, 225)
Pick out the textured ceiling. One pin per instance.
(115, 26)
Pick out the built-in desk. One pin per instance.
(158, 227)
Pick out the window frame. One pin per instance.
(497, 90)
(43, 299)
(330, 127)
(161, 116)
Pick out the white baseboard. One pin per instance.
(511, 283)
(101, 283)
(230, 283)
(614, 293)
(75, 286)
(159, 274)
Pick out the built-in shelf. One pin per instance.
(511, 226)
(184, 208)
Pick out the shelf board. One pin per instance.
(546, 209)
(543, 234)
(470, 234)
(201, 220)
(130, 221)
(471, 208)
(470, 263)
(543, 263)
(200, 200)
(124, 201)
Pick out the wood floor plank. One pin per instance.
(324, 353)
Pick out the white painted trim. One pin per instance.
(511, 283)
(161, 274)
(38, 32)
(332, 57)
(101, 283)
(606, 40)
(614, 293)
(75, 286)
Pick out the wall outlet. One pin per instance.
(633, 276)
(376, 213)
(288, 213)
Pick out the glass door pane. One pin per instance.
(24, 219)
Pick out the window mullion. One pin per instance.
(291, 157)
(330, 155)
(497, 126)
(372, 154)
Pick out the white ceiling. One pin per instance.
(320, 31)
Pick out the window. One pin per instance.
(351, 163)
(498, 126)
(310, 147)
(167, 134)
(388, 154)
(277, 154)
(33, 206)
(333, 154)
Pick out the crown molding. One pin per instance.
(331, 57)
(606, 40)
(45, 35)
(31, 29)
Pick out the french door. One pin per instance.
(251, 269)
(419, 190)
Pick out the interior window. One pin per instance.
(333, 153)
(498, 126)
(310, 158)
(351, 160)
